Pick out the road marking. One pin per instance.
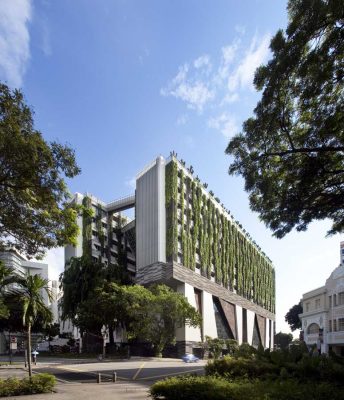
(172, 374)
(138, 371)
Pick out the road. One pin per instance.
(140, 371)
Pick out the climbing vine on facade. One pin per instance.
(87, 214)
(212, 242)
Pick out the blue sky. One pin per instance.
(125, 81)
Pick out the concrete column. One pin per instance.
(209, 322)
(250, 326)
(238, 311)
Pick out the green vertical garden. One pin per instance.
(213, 243)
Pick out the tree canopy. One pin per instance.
(35, 213)
(292, 317)
(94, 296)
(291, 152)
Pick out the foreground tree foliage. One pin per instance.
(283, 340)
(95, 296)
(292, 317)
(34, 210)
(291, 153)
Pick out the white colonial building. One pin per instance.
(323, 313)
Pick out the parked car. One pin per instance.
(188, 358)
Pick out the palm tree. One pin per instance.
(7, 280)
(31, 296)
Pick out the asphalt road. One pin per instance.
(139, 371)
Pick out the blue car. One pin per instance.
(188, 358)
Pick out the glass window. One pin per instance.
(334, 325)
(340, 298)
(317, 303)
(330, 326)
(334, 300)
(330, 301)
(313, 328)
(307, 306)
(341, 324)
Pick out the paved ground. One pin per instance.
(139, 370)
(77, 378)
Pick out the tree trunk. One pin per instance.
(111, 338)
(29, 349)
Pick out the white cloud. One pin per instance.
(241, 29)
(203, 61)
(227, 58)
(202, 84)
(15, 16)
(224, 123)
(182, 119)
(193, 91)
(243, 76)
(230, 98)
(131, 183)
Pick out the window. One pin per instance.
(341, 324)
(317, 303)
(330, 301)
(307, 306)
(330, 326)
(334, 325)
(334, 300)
(340, 298)
(313, 328)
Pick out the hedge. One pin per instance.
(212, 388)
(40, 383)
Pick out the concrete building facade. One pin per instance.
(182, 236)
(323, 313)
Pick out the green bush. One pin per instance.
(232, 368)
(40, 383)
(212, 388)
(278, 364)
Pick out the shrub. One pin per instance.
(40, 383)
(212, 388)
(232, 368)
(192, 388)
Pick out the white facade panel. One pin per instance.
(188, 333)
(151, 215)
(250, 326)
(208, 313)
(238, 311)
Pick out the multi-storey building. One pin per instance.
(323, 313)
(182, 236)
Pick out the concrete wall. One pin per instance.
(250, 326)
(238, 311)
(151, 215)
(209, 322)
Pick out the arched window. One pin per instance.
(313, 328)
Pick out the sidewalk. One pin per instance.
(91, 391)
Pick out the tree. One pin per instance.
(7, 279)
(292, 317)
(157, 315)
(35, 213)
(33, 304)
(291, 153)
(282, 340)
(78, 281)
